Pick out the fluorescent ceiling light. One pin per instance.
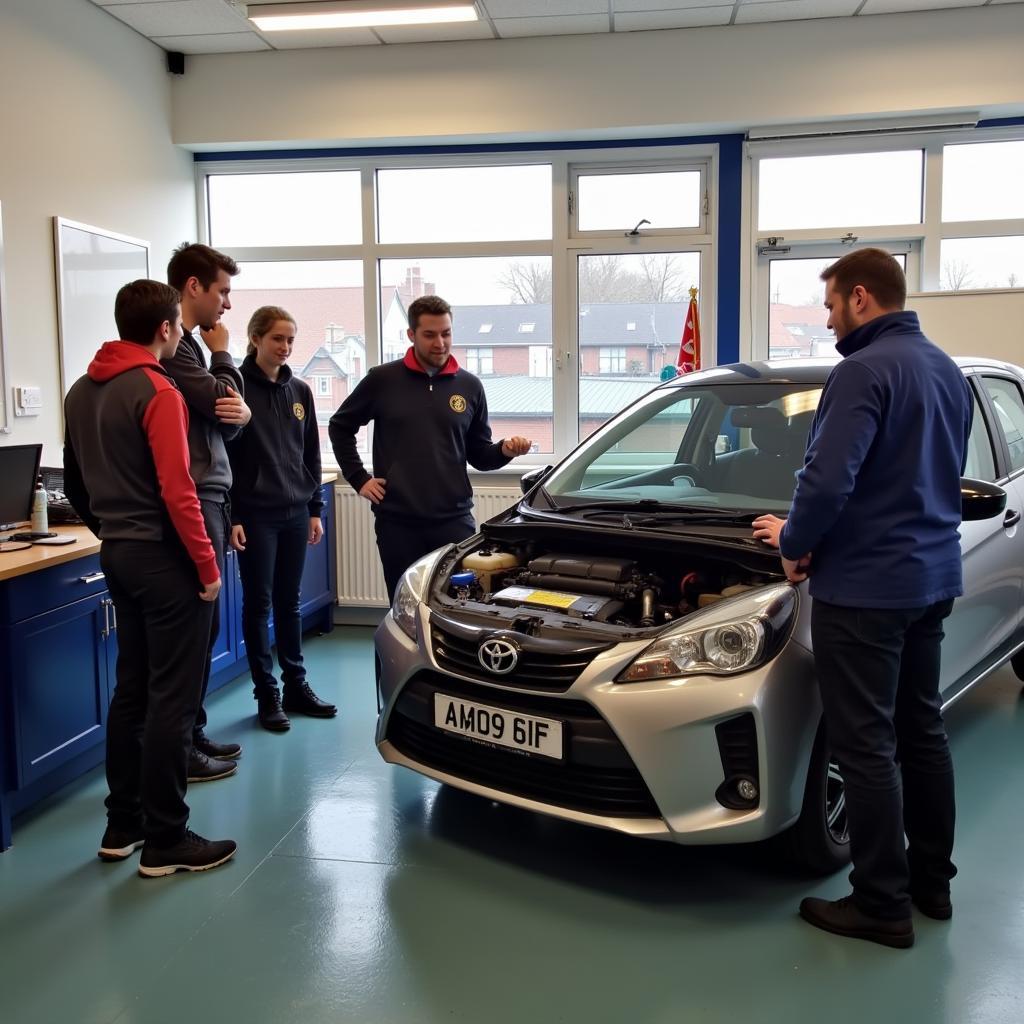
(358, 14)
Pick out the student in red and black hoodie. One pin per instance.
(275, 514)
(126, 465)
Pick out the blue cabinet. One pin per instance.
(58, 657)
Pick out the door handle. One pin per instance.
(106, 618)
(1012, 518)
(93, 577)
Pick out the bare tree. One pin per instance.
(1011, 280)
(660, 278)
(527, 282)
(956, 274)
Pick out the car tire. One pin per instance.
(1017, 661)
(820, 840)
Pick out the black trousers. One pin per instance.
(162, 630)
(217, 517)
(401, 543)
(878, 670)
(271, 566)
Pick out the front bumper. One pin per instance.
(645, 759)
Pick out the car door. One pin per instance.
(1006, 395)
(988, 612)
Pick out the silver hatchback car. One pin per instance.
(617, 649)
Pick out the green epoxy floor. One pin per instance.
(363, 893)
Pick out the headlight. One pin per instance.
(729, 637)
(411, 590)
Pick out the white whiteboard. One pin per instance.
(92, 265)
(975, 323)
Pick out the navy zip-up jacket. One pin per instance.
(275, 461)
(426, 428)
(877, 503)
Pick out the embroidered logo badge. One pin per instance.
(458, 403)
(300, 412)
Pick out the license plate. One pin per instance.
(498, 726)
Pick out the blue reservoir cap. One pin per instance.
(463, 579)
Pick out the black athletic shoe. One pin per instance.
(218, 751)
(193, 853)
(299, 699)
(270, 713)
(844, 917)
(935, 905)
(207, 769)
(119, 844)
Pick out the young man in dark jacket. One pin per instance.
(430, 419)
(126, 473)
(874, 521)
(216, 414)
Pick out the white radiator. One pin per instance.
(360, 580)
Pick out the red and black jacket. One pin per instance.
(126, 458)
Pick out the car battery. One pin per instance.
(583, 606)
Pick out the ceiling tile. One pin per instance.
(435, 33)
(895, 6)
(512, 28)
(312, 39)
(699, 17)
(219, 42)
(171, 17)
(794, 10)
(537, 8)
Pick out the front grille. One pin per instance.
(551, 666)
(596, 776)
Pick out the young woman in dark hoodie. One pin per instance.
(275, 514)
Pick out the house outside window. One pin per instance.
(322, 386)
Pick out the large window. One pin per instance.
(950, 209)
(346, 245)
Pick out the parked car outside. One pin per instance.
(618, 650)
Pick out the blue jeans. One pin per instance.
(271, 569)
(878, 671)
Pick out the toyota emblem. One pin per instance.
(498, 656)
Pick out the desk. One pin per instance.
(58, 654)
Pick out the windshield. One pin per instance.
(711, 447)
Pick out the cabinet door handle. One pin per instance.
(93, 577)
(113, 615)
(106, 618)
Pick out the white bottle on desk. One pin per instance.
(40, 523)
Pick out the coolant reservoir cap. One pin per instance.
(463, 579)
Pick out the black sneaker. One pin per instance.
(844, 917)
(218, 751)
(119, 844)
(935, 905)
(193, 853)
(300, 699)
(270, 713)
(207, 769)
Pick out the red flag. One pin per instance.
(689, 345)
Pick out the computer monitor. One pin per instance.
(19, 470)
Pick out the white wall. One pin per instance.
(84, 134)
(979, 323)
(622, 85)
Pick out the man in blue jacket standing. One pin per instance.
(874, 523)
(430, 419)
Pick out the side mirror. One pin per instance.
(980, 500)
(529, 480)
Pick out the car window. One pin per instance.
(981, 463)
(1008, 403)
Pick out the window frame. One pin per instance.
(923, 241)
(562, 247)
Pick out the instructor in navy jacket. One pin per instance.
(874, 523)
(430, 419)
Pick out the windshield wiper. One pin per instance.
(726, 517)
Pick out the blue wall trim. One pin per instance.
(1001, 122)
